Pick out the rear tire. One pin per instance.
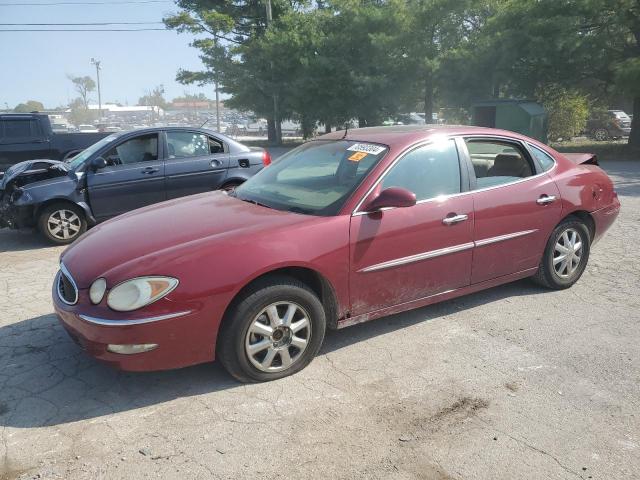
(601, 135)
(61, 223)
(272, 331)
(565, 256)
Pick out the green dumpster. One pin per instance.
(521, 116)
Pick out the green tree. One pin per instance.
(29, 106)
(84, 86)
(80, 114)
(568, 111)
(154, 98)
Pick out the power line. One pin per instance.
(75, 24)
(49, 4)
(85, 30)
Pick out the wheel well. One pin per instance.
(311, 278)
(233, 181)
(38, 210)
(587, 219)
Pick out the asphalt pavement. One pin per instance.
(513, 382)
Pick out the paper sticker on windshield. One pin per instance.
(366, 148)
(356, 157)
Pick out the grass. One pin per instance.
(611, 150)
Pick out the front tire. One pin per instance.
(61, 223)
(272, 331)
(566, 255)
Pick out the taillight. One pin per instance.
(266, 158)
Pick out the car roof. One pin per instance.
(401, 136)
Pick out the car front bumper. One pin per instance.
(183, 337)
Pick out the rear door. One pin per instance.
(133, 177)
(196, 162)
(405, 254)
(516, 207)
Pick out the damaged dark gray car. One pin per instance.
(120, 173)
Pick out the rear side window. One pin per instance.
(21, 128)
(545, 160)
(191, 144)
(498, 163)
(428, 171)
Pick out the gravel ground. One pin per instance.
(513, 382)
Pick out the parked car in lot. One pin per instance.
(27, 136)
(122, 172)
(608, 125)
(341, 230)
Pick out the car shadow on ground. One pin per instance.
(20, 240)
(45, 379)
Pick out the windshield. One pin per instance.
(79, 159)
(316, 178)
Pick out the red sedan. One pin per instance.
(343, 229)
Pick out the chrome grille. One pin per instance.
(67, 288)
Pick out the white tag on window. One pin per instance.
(367, 148)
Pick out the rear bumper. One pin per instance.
(184, 337)
(604, 218)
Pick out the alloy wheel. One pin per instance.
(567, 253)
(64, 224)
(278, 336)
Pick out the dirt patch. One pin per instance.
(467, 405)
(512, 386)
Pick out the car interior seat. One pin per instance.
(509, 165)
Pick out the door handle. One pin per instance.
(546, 199)
(452, 220)
(149, 170)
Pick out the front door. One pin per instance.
(133, 177)
(195, 163)
(516, 204)
(404, 254)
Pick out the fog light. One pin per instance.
(131, 349)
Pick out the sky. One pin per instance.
(36, 65)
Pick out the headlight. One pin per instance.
(138, 292)
(96, 292)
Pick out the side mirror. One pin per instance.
(98, 163)
(391, 197)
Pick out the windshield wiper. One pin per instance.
(254, 202)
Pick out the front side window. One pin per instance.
(191, 144)
(545, 160)
(316, 178)
(429, 171)
(497, 163)
(135, 150)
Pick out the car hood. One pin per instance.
(32, 167)
(147, 241)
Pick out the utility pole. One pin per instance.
(276, 125)
(97, 64)
(217, 108)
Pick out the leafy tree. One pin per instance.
(154, 98)
(84, 86)
(29, 106)
(568, 111)
(80, 114)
